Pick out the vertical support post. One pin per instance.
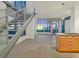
(59, 26)
(25, 17)
(7, 29)
(51, 27)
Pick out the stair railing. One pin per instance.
(17, 35)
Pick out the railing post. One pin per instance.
(25, 18)
(7, 28)
(24, 14)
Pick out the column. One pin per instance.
(72, 22)
(75, 19)
(59, 26)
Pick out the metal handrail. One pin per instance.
(10, 21)
(1, 34)
(12, 13)
(9, 4)
(17, 17)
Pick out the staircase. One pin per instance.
(10, 31)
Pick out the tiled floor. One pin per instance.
(41, 47)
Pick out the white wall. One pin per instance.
(2, 5)
(9, 11)
(76, 12)
(67, 26)
(71, 26)
(2, 13)
(2, 9)
(30, 32)
(29, 6)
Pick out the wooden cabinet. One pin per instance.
(67, 43)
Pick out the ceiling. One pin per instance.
(58, 3)
(56, 9)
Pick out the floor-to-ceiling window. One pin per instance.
(43, 25)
